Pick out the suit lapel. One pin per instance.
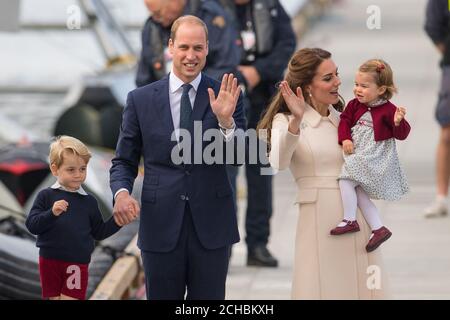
(200, 105)
(201, 100)
(162, 103)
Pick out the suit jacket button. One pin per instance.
(183, 197)
(187, 172)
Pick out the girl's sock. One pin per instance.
(368, 209)
(349, 200)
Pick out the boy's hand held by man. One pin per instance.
(126, 209)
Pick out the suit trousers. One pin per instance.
(188, 271)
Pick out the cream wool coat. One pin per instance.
(325, 267)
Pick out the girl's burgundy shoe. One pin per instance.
(379, 236)
(350, 226)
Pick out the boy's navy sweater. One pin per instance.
(69, 236)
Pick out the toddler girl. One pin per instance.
(367, 131)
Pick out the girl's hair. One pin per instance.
(66, 144)
(300, 72)
(382, 74)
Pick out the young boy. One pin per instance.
(66, 221)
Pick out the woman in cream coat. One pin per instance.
(303, 136)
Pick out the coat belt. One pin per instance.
(317, 183)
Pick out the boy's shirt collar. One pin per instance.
(57, 185)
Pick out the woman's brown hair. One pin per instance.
(300, 72)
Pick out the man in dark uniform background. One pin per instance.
(268, 41)
(155, 60)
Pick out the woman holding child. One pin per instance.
(303, 135)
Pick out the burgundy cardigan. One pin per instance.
(382, 117)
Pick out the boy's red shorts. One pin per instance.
(61, 277)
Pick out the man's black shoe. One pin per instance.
(261, 257)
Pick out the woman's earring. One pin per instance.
(310, 95)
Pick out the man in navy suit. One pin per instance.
(188, 216)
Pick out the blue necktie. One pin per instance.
(185, 107)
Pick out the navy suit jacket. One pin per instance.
(146, 131)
